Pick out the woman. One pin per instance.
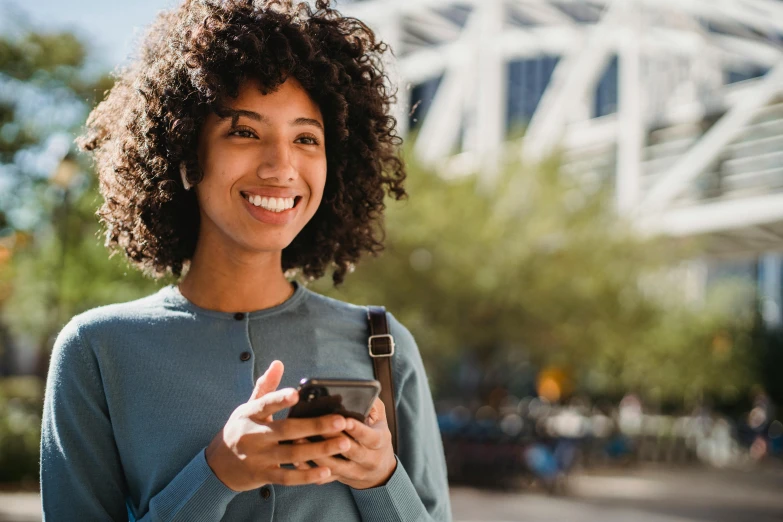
(244, 144)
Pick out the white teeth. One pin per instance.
(273, 204)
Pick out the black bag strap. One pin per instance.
(381, 347)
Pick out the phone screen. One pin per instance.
(322, 399)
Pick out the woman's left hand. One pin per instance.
(371, 461)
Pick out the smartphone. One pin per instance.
(348, 397)
(351, 398)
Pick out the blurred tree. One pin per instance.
(45, 97)
(63, 269)
(540, 266)
(54, 280)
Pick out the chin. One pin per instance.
(264, 247)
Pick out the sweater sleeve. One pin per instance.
(81, 470)
(418, 489)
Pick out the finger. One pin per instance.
(377, 412)
(302, 453)
(330, 478)
(373, 417)
(361, 455)
(370, 437)
(342, 469)
(269, 381)
(292, 429)
(301, 465)
(297, 477)
(264, 407)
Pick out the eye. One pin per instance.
(242, 133)
(308, 140)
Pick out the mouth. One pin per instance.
(272, 204)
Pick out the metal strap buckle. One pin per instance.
(391, 342)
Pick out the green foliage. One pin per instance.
(14, 135)
(36, 55)
(67, 271)
(51, 60)
(540, 266)
(49, 94)
(20, 429)
(63, 269)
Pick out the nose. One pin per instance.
(276, 162)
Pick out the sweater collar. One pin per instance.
(174, 297)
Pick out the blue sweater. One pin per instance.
(136, 391)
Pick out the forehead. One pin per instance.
(289, 100)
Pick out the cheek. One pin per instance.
(214, 195)
(318, 179)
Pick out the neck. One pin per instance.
(235, 283)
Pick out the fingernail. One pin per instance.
(350, 425)
(338, 423)
(324, 473)
(344, 444)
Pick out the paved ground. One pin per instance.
(639, 495)
(647, 495)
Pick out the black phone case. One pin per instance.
(313, 404)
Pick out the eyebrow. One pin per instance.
(235, 114)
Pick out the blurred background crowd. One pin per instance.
(589, 259)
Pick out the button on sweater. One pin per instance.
(136, 391)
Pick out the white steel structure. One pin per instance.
(691, 151)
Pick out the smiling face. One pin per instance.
(264, 164)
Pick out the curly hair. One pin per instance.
(190, 60)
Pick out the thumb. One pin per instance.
(268, 382)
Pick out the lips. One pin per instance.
(271, 217)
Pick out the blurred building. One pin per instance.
(679, 104)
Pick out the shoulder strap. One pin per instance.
(381, 348)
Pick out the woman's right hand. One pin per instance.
(246, 454)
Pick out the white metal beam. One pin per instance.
(489, 106)
(632, 126)
(541, 12)
(768, 234)
(763, 16)
(760, 15)
(441, 126)
(706, 151)
(516, 43)
(378, 10)
(574, 76)
(434, 25)
(760, 53)
(771, 8)
(715, 217)
(391, 33)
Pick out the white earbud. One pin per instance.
(183, 171)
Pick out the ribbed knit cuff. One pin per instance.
(395, 501)
(195, 494)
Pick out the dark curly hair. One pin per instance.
(191, 59)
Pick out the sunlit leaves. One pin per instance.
(542, 265)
